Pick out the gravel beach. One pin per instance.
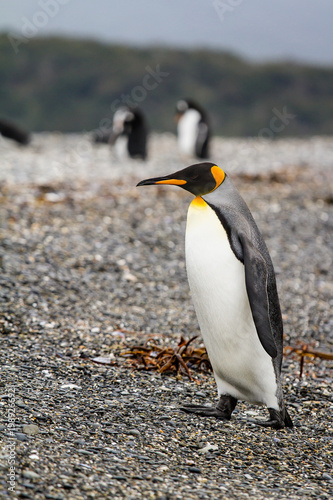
(91, 265)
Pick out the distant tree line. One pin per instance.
(72, 85)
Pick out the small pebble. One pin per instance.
(209, 447)
(196, 470)
(31, 429)
(29, 474)
(134, 432)
(21, 437)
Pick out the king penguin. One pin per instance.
(233, 287)
(129, 133)
(193, 129)
(12, 131)
(131, 124)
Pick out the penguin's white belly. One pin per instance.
(242, 368)
(120, 147)
(188, 131)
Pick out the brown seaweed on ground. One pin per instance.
(306, 351)
(179, 360)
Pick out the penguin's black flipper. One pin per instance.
(256, 286)
(201, 144)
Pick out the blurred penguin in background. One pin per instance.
(192, 129)
(12, 131)
(129, 133)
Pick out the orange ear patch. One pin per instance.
(218, 175)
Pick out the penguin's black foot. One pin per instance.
(275, 424)
(277, 420)
(222, 411)
(205, 411)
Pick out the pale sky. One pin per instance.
(299, 30)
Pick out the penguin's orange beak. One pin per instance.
(162, 180)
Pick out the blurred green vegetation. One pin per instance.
(71, 85)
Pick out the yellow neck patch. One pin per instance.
(218, 175)
(199, 202)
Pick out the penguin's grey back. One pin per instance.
(238, 221)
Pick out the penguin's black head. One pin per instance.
(125, 120)
(198, 179)
(184, 105)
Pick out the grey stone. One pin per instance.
(29, 474)
(31, 429)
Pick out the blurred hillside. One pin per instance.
(71, 85)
